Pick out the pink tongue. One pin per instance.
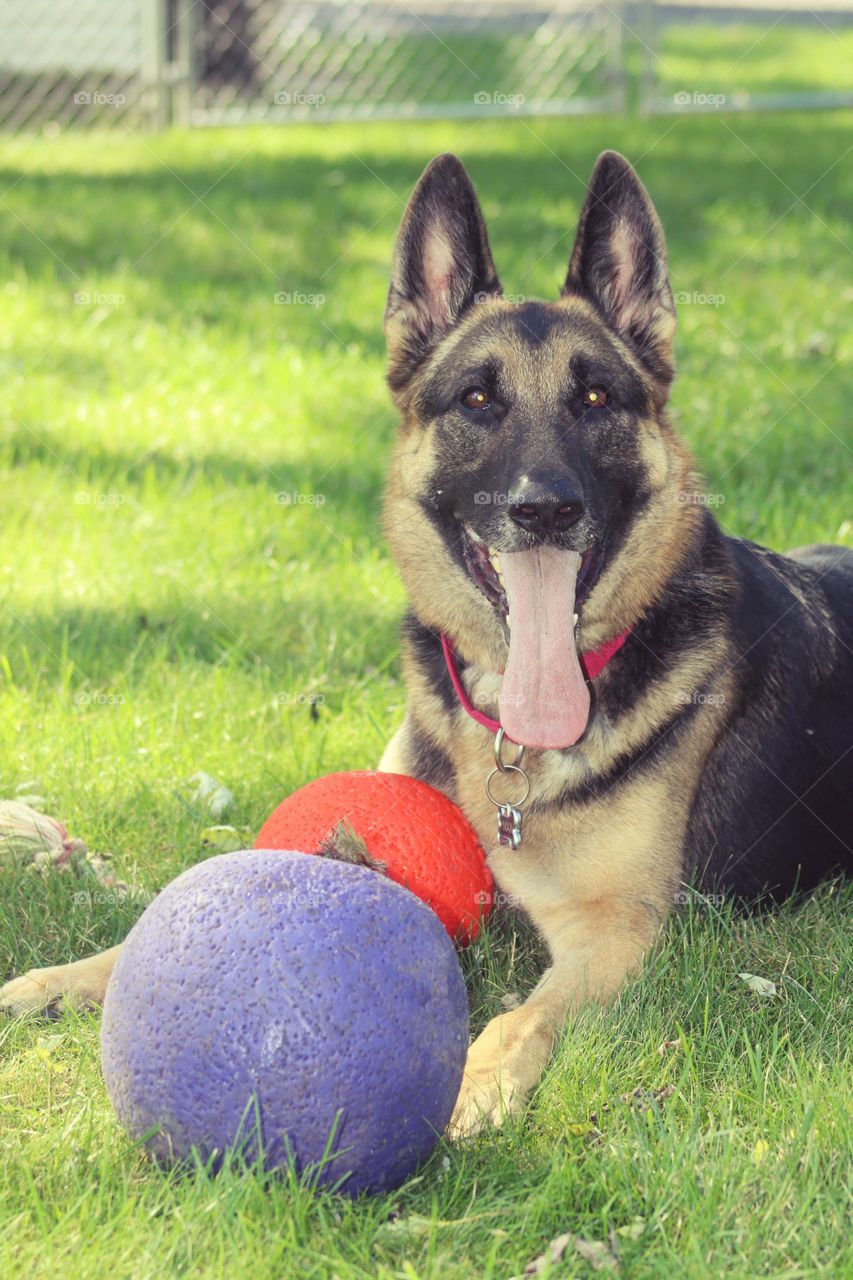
(544, 700)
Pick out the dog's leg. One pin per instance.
(83, 982)
(595, 946)
(598, 883)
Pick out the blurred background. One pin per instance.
(193, 62)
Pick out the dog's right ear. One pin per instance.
(442, 262)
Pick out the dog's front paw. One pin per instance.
(33, 991)
(504, 1064)
(483, 1100)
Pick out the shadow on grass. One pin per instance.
(273, 643)
(356, 477)
(215, 240)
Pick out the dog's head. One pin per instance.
(537, 489)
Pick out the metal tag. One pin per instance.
(509, 825)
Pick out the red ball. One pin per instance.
(421, 839)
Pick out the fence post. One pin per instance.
(182, 65)
(153, 62)
(617, 89)
(168, 61)
(648, 33)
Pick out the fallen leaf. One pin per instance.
(667, 1044)
(415, 1224)
(759, 1151)
(222, 839)
(216, 797)
(632, 1230)
(46, 1045)
(553, 1253)
(599, 1255)
(761, 986)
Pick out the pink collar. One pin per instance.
(592, 664)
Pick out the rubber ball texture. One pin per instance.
(424, 839)
(279, 979)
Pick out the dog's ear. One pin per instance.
(442, 263)
(619, 263)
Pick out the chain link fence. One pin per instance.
(147, 63)
(369, 60)
(80, 62)
(234, 61)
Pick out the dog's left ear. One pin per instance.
(619, 263)
(442, 263)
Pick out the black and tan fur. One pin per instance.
(718, 751)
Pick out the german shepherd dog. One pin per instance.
(541, 512)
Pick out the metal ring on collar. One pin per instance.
(508, 768)
(519, 754)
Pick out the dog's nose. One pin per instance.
(545, 506)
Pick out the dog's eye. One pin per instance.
(594, 398)
(476, 398)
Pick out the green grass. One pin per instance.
(742, 57)
(162, 612)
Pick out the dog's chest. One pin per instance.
(541, 791)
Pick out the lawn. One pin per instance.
(193, 577)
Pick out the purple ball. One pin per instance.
(280, 993)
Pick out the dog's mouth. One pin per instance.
(484, 566)
(538, 593)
